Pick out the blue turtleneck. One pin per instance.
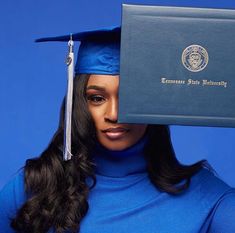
(124, 200)
(123, 163)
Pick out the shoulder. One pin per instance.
(218, 198)
(14, 188)
(12, 196)
(223, 215)
(208, 184)
(204, 191)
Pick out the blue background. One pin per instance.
(33, 80)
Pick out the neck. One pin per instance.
(123, 163)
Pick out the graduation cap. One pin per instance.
(99, 53)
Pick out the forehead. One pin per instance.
(109, 82)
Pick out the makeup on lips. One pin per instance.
(115, 133)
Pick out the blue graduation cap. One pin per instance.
(99, 53)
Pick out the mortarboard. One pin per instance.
(99, 53)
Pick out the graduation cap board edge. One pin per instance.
(177, 66)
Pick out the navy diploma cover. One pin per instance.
(177, 66)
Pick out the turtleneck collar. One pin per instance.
(120, 163)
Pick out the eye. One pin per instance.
(96, 99)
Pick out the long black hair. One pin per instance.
(57, 190)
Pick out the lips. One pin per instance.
(115, 133)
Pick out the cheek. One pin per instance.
(137, 132)
(96, 116)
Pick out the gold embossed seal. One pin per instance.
(195, 58)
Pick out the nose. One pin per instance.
(111, 114)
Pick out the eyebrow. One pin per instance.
(99, 88)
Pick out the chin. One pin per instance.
(115, 145)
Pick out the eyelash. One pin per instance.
(96, 99)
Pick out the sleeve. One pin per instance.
(12, 196)
(223, 220)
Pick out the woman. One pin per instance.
(121, 177)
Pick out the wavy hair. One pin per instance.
(57, 190)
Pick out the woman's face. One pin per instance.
(102, 99)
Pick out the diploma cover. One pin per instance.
(177, 66)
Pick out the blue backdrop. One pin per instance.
(33, 80)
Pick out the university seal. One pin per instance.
(195, 58)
